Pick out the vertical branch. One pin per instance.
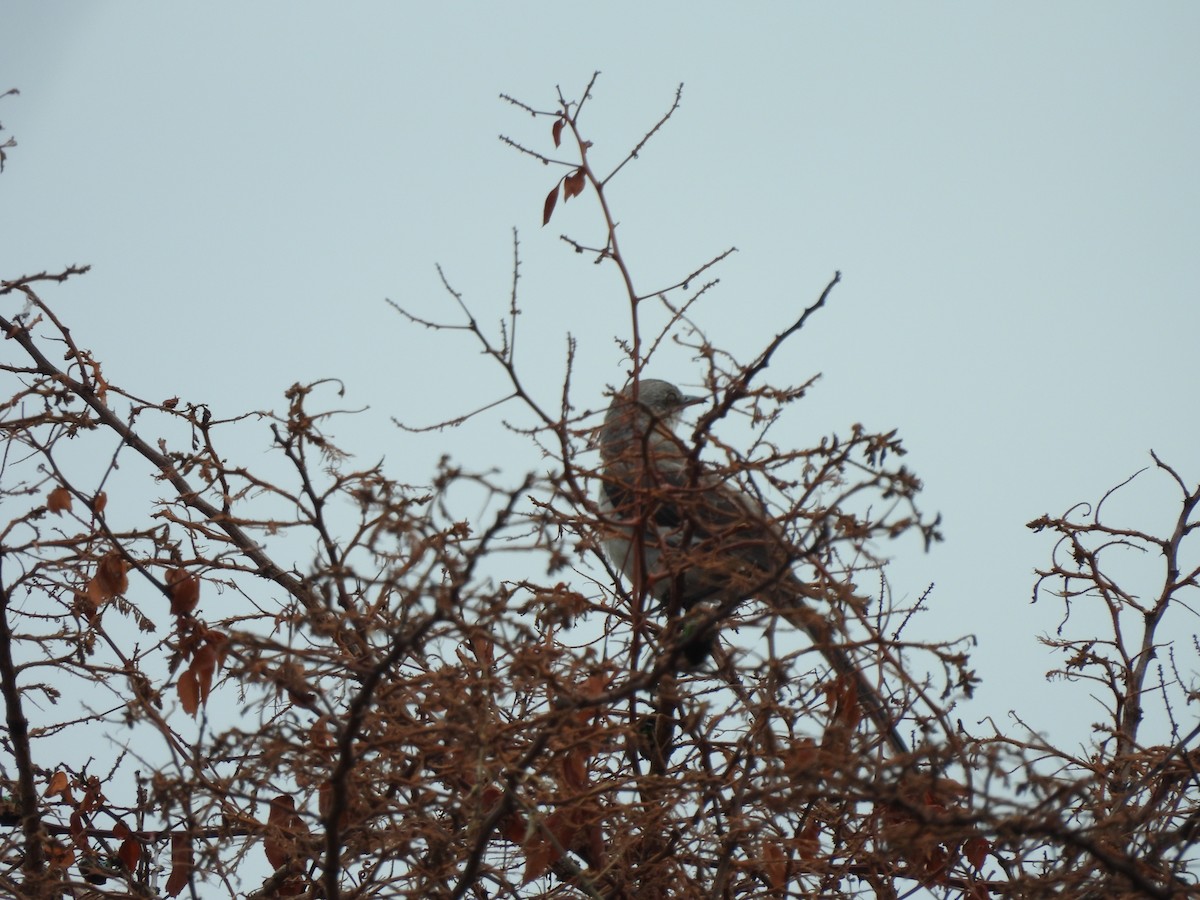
(18, 731)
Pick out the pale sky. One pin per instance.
(1010, 191)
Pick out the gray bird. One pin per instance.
(687, 536)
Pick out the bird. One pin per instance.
(688, 535)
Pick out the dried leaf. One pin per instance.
(99, 502)
(110, 579)
(284, 831)
(774, 864)
(121, 830)
(556, 130)
(540, 854)
(319, 735)
(976, 850)
(58, 856)
(129, 853)
(575, 772)
(808, 841)
(77, 829)
(58, 784)
(548, 206)
(189, 692)
(181, 864)
(58, 500)
(573, 185)
(185, 591)
(204, 663)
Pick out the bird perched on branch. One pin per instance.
(687, 535)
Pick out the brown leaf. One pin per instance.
(58, 784)
(808, 841)
(548, 206)
(284, 830)
(774, 865)
(181, 864)
(121, 830)
(58, 856)
(110, 579)
(129, 853)
(556, 130)
(573, 185)
(319, 735)
(77, 829)
(575, 772)
(58, 500)
(99, 502)
(512, 826)
(976, 850)
(189, 692)
(185, 591)
(204, 663)
(540, 854)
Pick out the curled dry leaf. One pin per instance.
(58, 856)
(189, 692)
(129, 853)
(975, 849)
(774, 864)
(110, 579)
(58, 784)
(285, 829)
(556, 130)
(548, 206)
(185, 591)
(573, 185)
(181, 864)
(58, 500)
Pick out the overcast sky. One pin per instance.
(1010, 191)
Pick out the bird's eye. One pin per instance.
(673, 398)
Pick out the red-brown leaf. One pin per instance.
(575, 768)
(58, 856)
(774, 865)
(99, 502)
(129, 853)
(58, 500)
(976, 850)
(548, 206)
(58, 784)
(189, 692)
(204, 663)
(556, 130)
(284, 830)
(808, 841)
(185, 591)
(540, 854)
(573, 185)
(110, 579)
(77, 829)
(181, 864)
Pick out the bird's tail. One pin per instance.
(795, 610)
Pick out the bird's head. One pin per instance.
(648, 404)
